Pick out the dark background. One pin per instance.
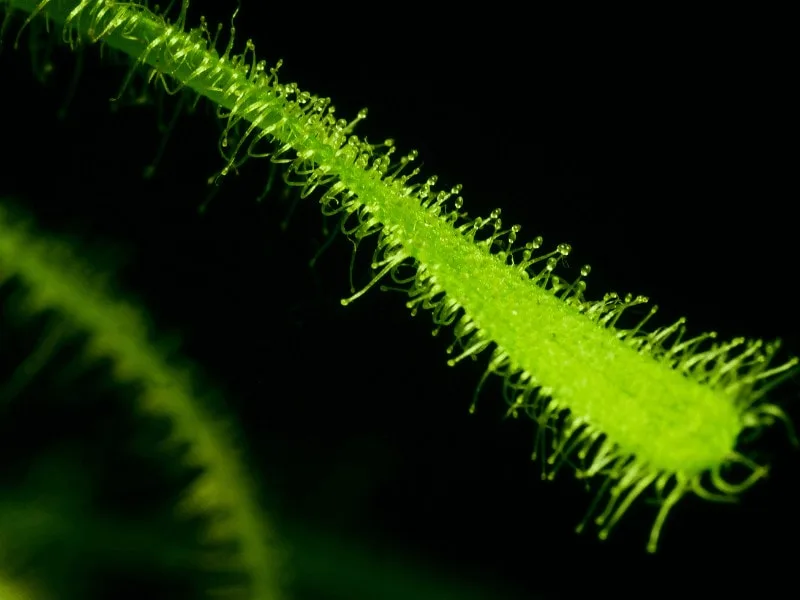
(668, 170)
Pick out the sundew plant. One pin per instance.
(642, 406)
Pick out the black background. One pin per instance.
(667, 168)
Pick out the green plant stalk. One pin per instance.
(641, 409)
(55, 279)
